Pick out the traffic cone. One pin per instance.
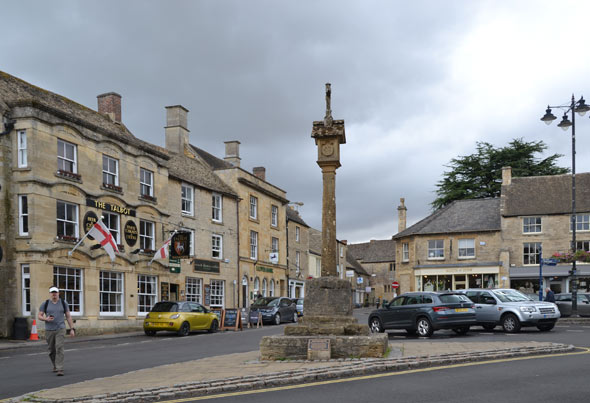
(34, 334)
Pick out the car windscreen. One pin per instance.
(266, 301)
(165, 307)
(510, 296)
(453, 298)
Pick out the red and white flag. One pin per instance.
(102, 235)
(164, 251)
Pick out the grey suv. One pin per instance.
(425, 312)
(511, 309)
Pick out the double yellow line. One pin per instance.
(383, 375)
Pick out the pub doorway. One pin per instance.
(173, 292)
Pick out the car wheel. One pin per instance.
(295, 318)
(184, 330)
(510, 323)
(424, 327)
(150, 332)
(488, 327)
(546, 328)
(461, 330)
(214, 326)
(277, 319)
(375, 325)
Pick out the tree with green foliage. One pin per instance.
(480, 174)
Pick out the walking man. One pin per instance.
(54, 312)
(549, 296)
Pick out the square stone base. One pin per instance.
(274, 348)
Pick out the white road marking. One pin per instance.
(576, 331)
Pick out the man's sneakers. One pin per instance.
(60, 373)
(54, 369)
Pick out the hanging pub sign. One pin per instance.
(180, 245)
(90, 219)
(130, 232)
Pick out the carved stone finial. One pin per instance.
(328, 118)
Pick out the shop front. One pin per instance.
(526, 278)
(458, 278)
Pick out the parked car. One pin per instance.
(425, 312)
(276, 309)
(180, 317)
(511, 309)
(299, 306)
(564, 303)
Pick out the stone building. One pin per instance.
(456, 247)
(297, 253)
(315, 253)
(536, 215)
(377, 257)
(262, 243)
(359, 280)
(63, 167)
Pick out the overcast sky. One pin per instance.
(417, 83)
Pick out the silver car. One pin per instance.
(511, 309)
(564, 303)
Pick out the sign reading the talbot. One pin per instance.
(110, 207)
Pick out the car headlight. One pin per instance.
(175, 316)
(528, 309)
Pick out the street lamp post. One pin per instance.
(581, 108)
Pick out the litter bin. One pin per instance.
(20, 329)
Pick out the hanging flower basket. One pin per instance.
(569, 257)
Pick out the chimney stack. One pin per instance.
(110, 104)
(177, 133)
(506, 176)
(232, 152)
(401, 215)
(259, 172)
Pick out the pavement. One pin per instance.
(245, 371)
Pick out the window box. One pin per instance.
(147, 251)
(148, 198)
(115, 188)
(66, 238)
(69, 175)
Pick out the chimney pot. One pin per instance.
(401, 215)
(259, 172)
(506, 175)
(110, 104)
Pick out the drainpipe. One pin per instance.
(8, 126)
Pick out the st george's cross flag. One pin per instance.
(164, 251)
(102, 235)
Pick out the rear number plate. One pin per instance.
(461, 309)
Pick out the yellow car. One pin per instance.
(181, 317)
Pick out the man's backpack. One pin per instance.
(63, 304)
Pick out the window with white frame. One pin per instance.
(67, 220)
(318, 266)
(583, 245)
(192, 236)
(341, 251)
(274, 244)
(216, 246)
(23, 215)
(256, 285)
(216, 203)
(436, 249)
(274, 216)
(264, 288)
(405, 252)
(298, 262)
(69, 282)
(531, 224)
(194, 289)
(146, 235)
(110, 171)
(253, 207)
(531, 252)
(272, 288)
(26, 289)
(253, 245)
(217, 293)
(297, 234)
(187, 199)
(582, 222)
(22, 149)
(466, 248)
(147, 293)
(146, 182)
(66, 157)
(112, 222)
(111, 293)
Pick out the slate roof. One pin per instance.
(294, 216)
(375, 251)
(211, 160)
(193, 171)
(472, 215)
(535, 195)
(315, 241)
(15, 92)
(351, 263)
